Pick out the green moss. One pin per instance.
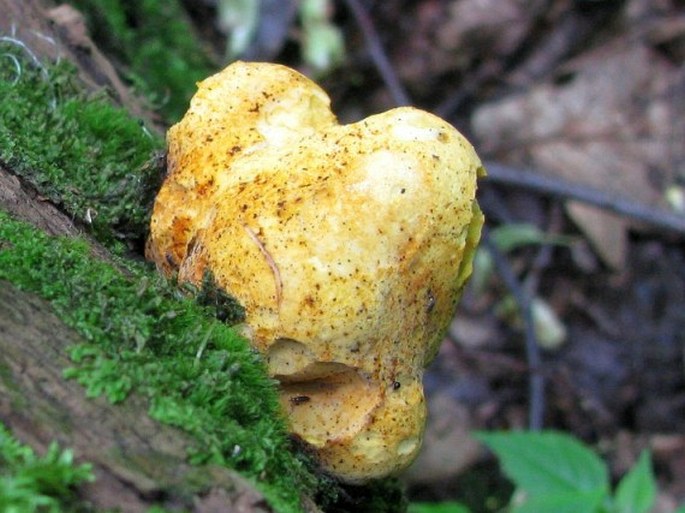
(140, 333)
(46, 484)
(84, 154)
(141, 336)
(156, 42)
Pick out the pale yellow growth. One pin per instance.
(348, 246)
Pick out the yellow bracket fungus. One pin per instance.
(347, 245)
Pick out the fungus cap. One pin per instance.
(347, 245)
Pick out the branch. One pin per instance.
(536, 385)
(527, 179)
(377, 53)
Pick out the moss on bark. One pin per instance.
(156, 44)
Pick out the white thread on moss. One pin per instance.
(29, 52)
(17, 66)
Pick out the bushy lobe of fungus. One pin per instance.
(347, 245)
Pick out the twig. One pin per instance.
(509, 175)
(536, 384)
(377, 53)
(544, 254)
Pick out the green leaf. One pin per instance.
(564, 502)
(437, 507)
(509, 237)
(548, 463)
(681, 509)
(323, 45)
(636, 492)
(483, 267)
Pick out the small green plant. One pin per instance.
(507, 238)
(322, 47)
(555, 473)
(30, 483)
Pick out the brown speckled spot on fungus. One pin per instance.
(348, 246)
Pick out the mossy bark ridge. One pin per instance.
(137, 461)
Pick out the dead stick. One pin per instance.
(536, 383)
(377, 53)
(535, 181)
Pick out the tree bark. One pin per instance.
(137, 462)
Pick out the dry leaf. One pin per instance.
(608, 123)
(452, 36)
(449, 448)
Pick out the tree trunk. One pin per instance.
(137, 462)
